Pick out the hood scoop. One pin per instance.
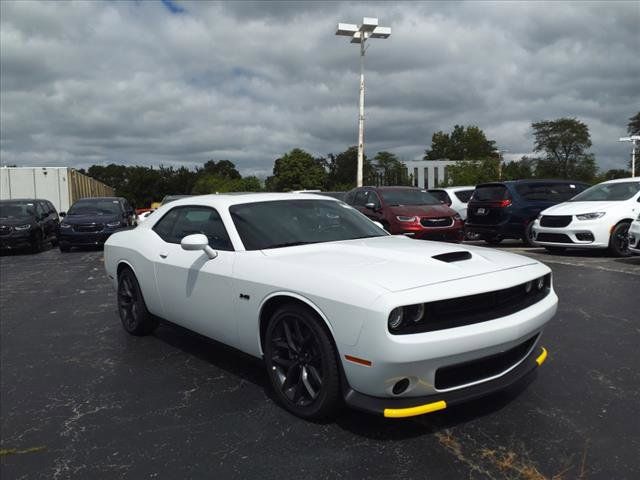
(453, 257)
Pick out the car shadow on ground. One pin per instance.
(363, 424)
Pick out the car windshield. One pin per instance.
(549, 192)
(17, 210)
(285, 223)
(608, 192)
(95, 207)
(172, 198)
(408, 196)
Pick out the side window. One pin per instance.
(52, 209)
(182, 221)
(348, 198)
(360, 198)
(40, 210)
(372, 197)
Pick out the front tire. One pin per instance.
(301, 363)
(37, 244)
(619, 240)
(134, 315)
(527, 238)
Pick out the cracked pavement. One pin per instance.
(79, 398)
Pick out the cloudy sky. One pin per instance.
(178, 83)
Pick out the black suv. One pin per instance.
(90, 221)
(27, 223)
(500, 210)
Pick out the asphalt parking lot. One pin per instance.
(80, 398)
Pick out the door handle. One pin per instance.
(164, 255)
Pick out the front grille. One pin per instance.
(555, 221)
(482, 307)
(553, 237)
(487, 367)
(5, 230)
(88, 228)
(437, 222)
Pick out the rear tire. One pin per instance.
(302, 363)
(134, 315)
(493, 240)
(619, 240)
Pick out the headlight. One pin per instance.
(410, 314)
(395, 318)
(65, 225)
(22, 227)
(590, 216)
(406, 219)
(113, 224)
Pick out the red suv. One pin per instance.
(410, 211)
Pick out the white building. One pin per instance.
(429, 173)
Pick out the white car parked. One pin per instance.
(454, 197)
(338, 309)
(634, 236)
(598, 217)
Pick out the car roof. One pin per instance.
(453, 189)
(223, 200)
(622, 180)
(98, 198)
(532, 181)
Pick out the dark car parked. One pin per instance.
(409, 211)
(500, 210)
(27, 223)
(90, 221)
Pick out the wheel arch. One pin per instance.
(122, 264)
(275, 300)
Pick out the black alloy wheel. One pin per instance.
(301, 363)
(619, 240)
(134, 315)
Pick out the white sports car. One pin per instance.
(338, 309)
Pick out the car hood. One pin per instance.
(82, 219)
(576, 208)
(394, 263)
(430, 211)
(16, 221)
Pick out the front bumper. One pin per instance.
(15, 240)
(452, 233)
(413, 406)
(578, 234)
(84, 238)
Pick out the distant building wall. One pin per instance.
(429, 173)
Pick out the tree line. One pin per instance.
(561, 150)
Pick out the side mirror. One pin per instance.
(62, 214)
(198, 241)
(370, 206)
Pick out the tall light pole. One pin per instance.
(360, 34)
(633, 139)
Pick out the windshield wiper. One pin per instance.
(287, 244)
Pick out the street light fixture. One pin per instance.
(360, 34)
(633, 139)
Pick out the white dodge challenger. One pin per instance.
(339, 310)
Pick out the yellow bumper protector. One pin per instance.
(542, 357)
(413, 411)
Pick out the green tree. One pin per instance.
(296, 170)
(633, 127)
(564, 143)
(343, 169)
(468, 143)
(473, 172)
(613, 174)
(391, 170)
(515, 170)
(221, 169)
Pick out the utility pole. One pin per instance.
(633, 139)
(360, 34)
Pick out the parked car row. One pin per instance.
(31, 223)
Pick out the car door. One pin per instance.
(196, 291)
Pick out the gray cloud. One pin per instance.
(96, 82)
